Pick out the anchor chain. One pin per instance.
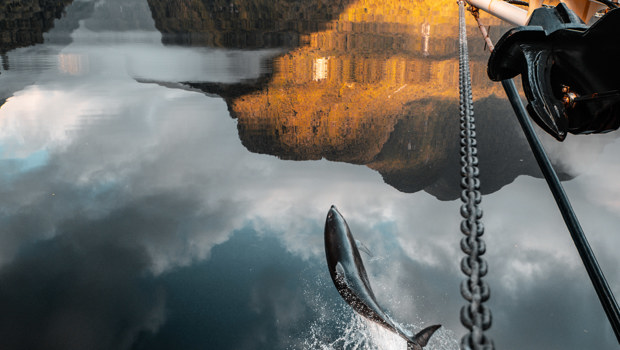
(475, 316)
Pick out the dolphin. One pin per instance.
(349, 276)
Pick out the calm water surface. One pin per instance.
(166, 168)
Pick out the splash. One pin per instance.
(336, 326)
(353, 333)
(339, 328)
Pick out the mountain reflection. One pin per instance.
(373, 83)
(22, 23)
(242, 24)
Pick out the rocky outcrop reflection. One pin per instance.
(377, 86)
(422, 152)
(23, 22)
(242, 24)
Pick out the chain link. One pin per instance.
(475, 316)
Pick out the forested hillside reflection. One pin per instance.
(370, 82)
(23, 22)
(242, 24)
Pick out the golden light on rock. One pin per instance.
(340, 95)
(366, 82)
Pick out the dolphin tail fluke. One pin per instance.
(421, 339)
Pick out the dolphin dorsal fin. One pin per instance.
(424, 335)
(361, 246)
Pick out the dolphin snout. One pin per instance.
(333, 213)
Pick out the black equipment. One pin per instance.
(570, 71)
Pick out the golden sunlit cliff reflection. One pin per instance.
(375, 85)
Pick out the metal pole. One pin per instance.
(502, 10)
(597, 277)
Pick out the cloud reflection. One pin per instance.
(78, 291)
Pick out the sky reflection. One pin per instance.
(134, 218)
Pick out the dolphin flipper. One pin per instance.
(361, 246)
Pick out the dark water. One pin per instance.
(166, 168)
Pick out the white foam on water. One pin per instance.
(338, 327)
(341, 329)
